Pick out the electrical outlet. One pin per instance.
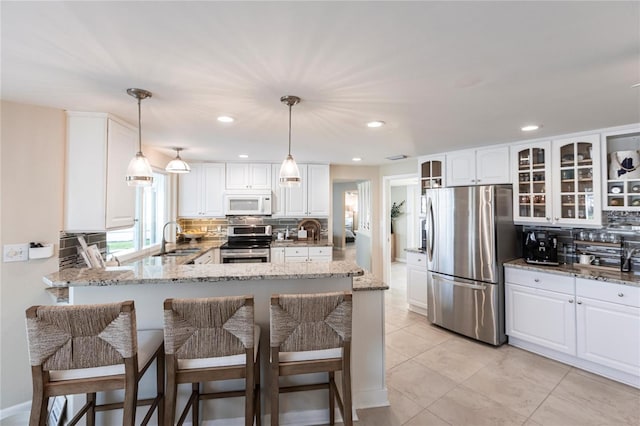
(16, 252)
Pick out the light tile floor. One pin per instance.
(436, 377)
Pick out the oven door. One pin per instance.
(244, 255)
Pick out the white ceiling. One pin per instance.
(442, 75)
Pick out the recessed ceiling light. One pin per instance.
(243, 156)
(226, 119)
(374, 124)
(530, 128)
(356, 159)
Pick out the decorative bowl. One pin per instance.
(192, 235)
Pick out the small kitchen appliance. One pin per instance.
(541, 247)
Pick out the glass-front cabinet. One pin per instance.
(532, 182)
(622, 183)
(431, 172)
(576, 178)
(557, 182)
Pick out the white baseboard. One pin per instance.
(370, 399)
(15, 409)
(400, 260)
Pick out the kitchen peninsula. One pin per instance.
(150, 281)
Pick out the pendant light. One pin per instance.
(178, 165)
(289, 173)
(139, 172)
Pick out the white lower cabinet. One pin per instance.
(595, 327)
(609, 333)
(209, 257)
(417, 282)
(277, 254)
(308, 254)
(543, 317)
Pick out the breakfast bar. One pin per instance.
(149, 283)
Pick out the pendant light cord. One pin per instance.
(290, 130)
(139, 128)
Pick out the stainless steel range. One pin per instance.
(247, 244)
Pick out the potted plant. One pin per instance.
(396, 211)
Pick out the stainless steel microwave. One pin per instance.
(247, 203)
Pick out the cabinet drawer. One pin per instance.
(541, 280)
(205, 258)
(417, 259)
(296, 251)
(608, 292)
(320, 251)
(319, 259)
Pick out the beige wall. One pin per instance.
(31, 192)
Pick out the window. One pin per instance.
(151, 214)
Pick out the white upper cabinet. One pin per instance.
(555, 182)
(99, 149)
(532, 187)
(311, 199)
(248, 176)
(201, 191)
(483, 166)
(576, 181)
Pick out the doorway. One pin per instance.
(351, 240)
(403, 191)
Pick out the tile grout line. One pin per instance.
(549, 394)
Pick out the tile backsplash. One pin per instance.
(69, 254)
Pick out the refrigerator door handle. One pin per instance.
(461, 284)
(432, 229)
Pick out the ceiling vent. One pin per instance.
(397, 157)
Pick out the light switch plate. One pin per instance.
(16, 252)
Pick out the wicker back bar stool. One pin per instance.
(211, 339)
(88, 349)
(311, 333)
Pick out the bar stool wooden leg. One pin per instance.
(39, 403)
(195, 408)
(275, 387)
(346, 385)
(160, 367)
(249, 389)
(91, 412)
(332, 398)
(256, 394)
(130, 395)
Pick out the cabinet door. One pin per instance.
(296, 198)
(213, 181)
(190, 192)
(121, 198)
(531, 177)
(431, 170)
(542, 317)
(576, 181)
(237, 176)
(260, 176)
(492, 166)
(318, 190)
(417, 286)
(277, 255)
(461, 168)
(609, 334)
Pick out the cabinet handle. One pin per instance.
(548, 219)
(537, 280)
(477, 180)
(620, 294)
(579, 302)
(570, 300)
(557, 218)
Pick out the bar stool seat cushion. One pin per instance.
(221, 361)
(148, 343)
(310, 355)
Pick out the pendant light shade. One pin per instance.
(178, 165)
(139, 172)
(289, 172)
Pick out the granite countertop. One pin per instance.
(302, 243)
(580, 271)
(368, 281)
(162, 273)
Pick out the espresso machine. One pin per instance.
(541, 247)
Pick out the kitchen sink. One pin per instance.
(179, 252)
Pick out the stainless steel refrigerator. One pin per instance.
(470, 234)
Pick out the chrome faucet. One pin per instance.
(164, 241)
